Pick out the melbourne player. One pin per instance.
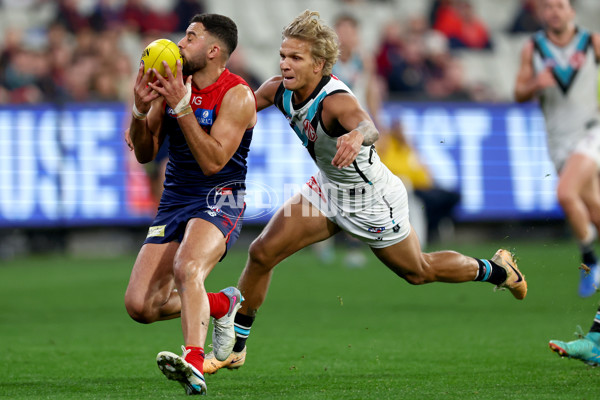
(353, 191)
(560, 66)
(209, 119)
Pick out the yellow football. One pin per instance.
(158, 51)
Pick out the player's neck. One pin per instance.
(562, 38)
(303, 93)
(207, 76)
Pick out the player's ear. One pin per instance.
(214, 51)
(318, 65)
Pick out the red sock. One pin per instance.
(195, 357)
(219, 304)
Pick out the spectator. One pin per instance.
(356, 68)
(527, 18)
(401, 158)
(69, 16)
(457, 20)
(185, 10)
(106, 15)
(133, 14)
(238, 65)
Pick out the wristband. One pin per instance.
(185, 100)
(185, 111)
(138, 115)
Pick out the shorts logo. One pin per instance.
(376, 230)
(156, 231)
(214, 211)
(312, 183)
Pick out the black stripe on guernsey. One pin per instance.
(278, 99)
(337, 129)
(389, 206)
(371, 151)
(362, 175)
(310, 146)
(314, 94)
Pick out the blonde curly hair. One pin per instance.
(309, 27)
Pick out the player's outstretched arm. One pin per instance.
(265, 94)
(146, 120)
(344, 109)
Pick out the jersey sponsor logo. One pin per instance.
(196, 100)
(396, 228)
(577, 60)
(310, 131)
(156, 231)
(374, 229)
(205, 117)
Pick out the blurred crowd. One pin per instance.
(88, 57)
(84, 57)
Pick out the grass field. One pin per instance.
(325, 332)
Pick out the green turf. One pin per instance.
(325, 332)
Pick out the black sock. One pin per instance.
(490, 272)
(596, 325)
(588, 256)
(242, 324)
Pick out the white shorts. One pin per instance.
(376, 214)
(589, 145)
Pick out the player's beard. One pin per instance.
(191, 66)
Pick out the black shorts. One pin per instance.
(171, 220)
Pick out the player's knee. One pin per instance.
(416, 278)
(138, 311)
(420, 274)
(565, 197)
(259, 254)
(185, 270)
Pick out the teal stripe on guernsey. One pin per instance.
(488, 270)
(287, 102)
(241, 331)
(314, 106)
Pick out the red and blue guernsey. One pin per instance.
(188, 193)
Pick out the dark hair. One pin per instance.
(346, 18)
(221, 27)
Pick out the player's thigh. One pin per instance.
(404, 258)
(577, 173)
(295, 225)
(151, 280)
(202, 247)
(591, 194)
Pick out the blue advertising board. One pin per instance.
(70, 166)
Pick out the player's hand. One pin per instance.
(545, 79)
(144, 95)
(171, 88)
(348, 147)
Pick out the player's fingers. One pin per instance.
(140, 73)
(180, 70)
(159, 77)
(156, 88)
(168, 72)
